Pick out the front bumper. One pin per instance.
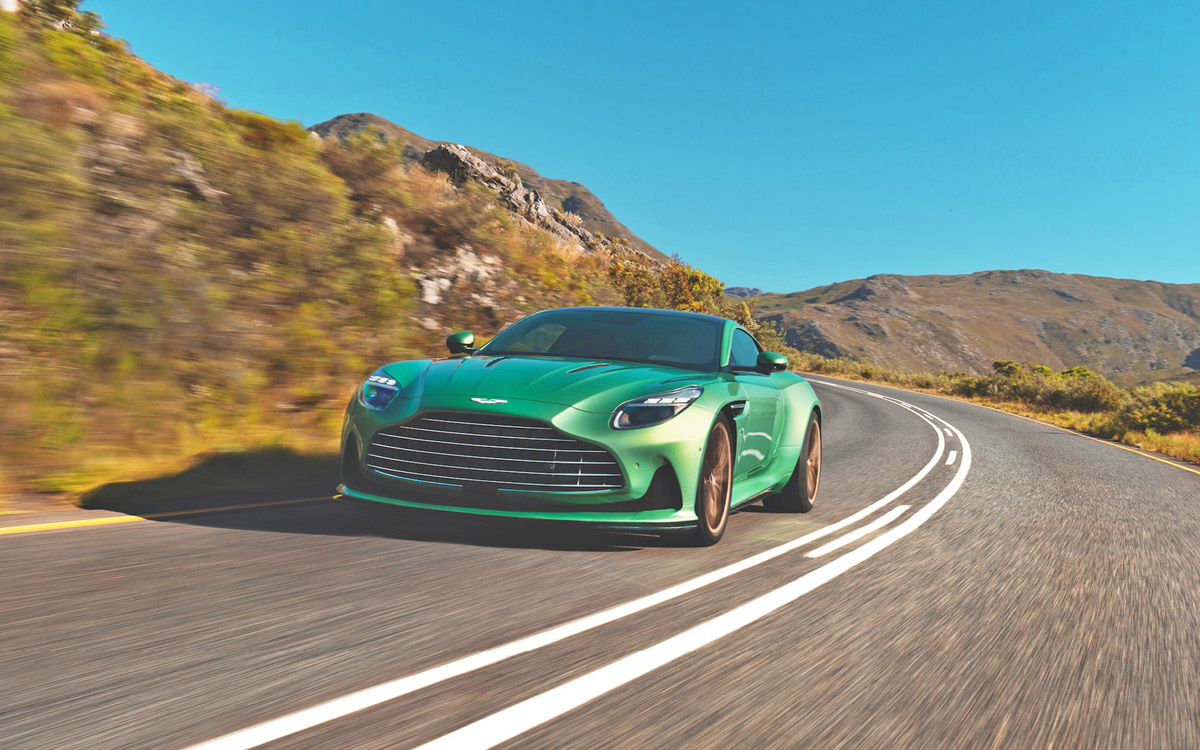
(648, 458)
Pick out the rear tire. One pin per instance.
(798, 495)
(715, 487)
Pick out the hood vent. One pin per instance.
(590, 367)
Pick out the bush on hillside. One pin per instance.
(1075, 389)
(1163, 408)
(1099, 406)
(677, 286)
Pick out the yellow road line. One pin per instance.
(56, 525)
(1067, 430)
(69, 524)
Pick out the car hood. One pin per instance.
(590, 385)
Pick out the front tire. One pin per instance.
(716, 485)
(798, 495)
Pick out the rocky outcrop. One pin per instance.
(460, 165)
(742, 292)
(193, 176)
(466, 275)
(811, 337)
(560, 195)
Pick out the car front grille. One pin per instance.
(489, 451)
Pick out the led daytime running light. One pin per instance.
(656, 409)
(379, 391)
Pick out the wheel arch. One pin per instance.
(351, 471)
(732, 410)
(801, 404)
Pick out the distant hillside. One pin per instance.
(561, 194)
(1133, 331)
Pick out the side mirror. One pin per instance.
(461, 343)
(772, 362)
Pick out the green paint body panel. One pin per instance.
(770, 415)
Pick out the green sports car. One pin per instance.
(624, 418)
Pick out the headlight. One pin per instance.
(652, 410)
(379, 391)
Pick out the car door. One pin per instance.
(758, 425)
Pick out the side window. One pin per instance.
(743, 351)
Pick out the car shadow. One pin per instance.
(340, 517)
(282, 492)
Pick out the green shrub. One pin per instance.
(10, 65)
(1164, 408)
(75, 57)
(267, 133)
(508, 169)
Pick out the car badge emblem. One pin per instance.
(490, 401)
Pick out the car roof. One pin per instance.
(673, 313)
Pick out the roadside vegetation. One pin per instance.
(1163, 417)
(180, 278)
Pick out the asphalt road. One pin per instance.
(1045, 595)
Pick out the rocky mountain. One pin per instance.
(562, 195)
(742, 292)
(462, 165)
(1133, 331)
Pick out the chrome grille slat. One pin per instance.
(486, 424)
(480, 434)
(499, 458)
(488, 450)
(495, 447)
(470, 468)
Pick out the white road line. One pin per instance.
(357, 701)
(521, 717)
(949, 434)
(858, 533)
(951, 458)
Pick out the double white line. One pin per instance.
(541, 708)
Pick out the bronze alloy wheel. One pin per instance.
(716, 484)
(799, 494)
(813, 464)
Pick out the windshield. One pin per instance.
(625, 335)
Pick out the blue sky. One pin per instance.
(774, 144)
